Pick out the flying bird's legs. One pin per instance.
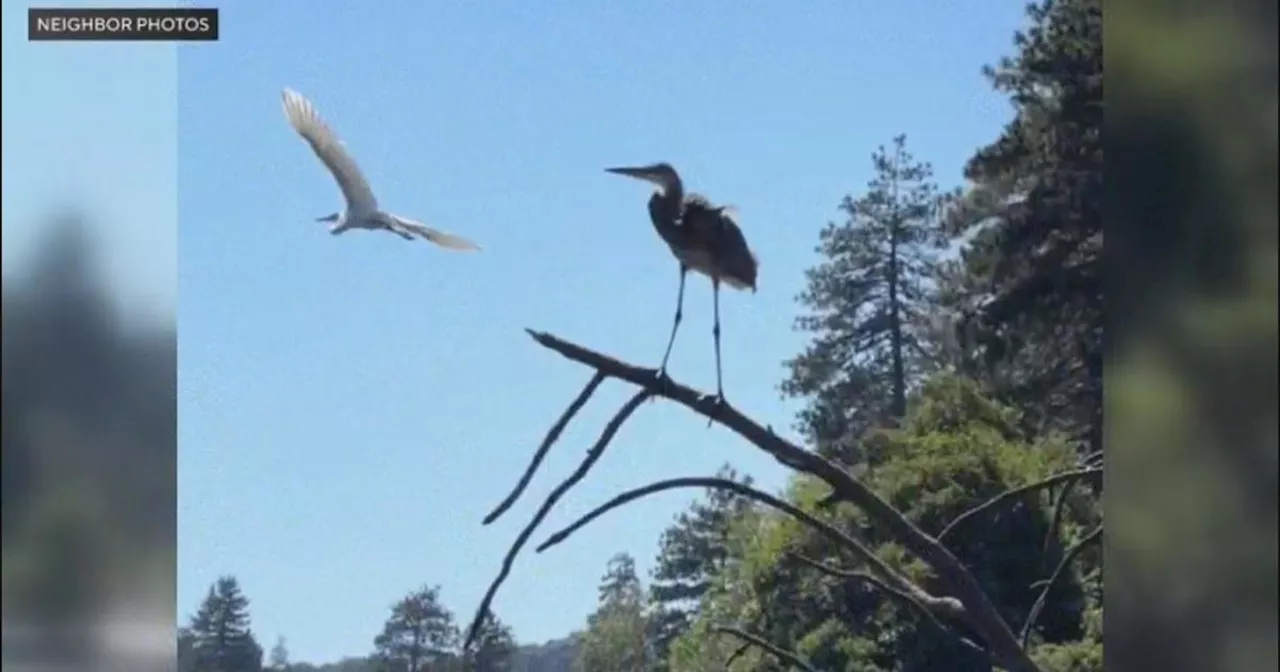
(675, 324)
(393, 226)
(715, 332)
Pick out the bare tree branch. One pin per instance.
(552, 435)
(778, 652)
(1043, 598)
(592, 456)
(984, 617)
(887, 573)
(1063, 477)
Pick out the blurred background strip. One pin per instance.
(89, 411)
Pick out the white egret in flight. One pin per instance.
(362, 210)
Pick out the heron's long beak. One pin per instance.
(646, 174)
(328, 218)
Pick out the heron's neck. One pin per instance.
(666, 204)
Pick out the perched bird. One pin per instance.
(362, 207)
(704, 238)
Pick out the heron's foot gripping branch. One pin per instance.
(663, 384)
(718, 405)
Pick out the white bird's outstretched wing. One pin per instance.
(306, 121)
(445, 240)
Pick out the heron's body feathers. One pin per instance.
(709, 241)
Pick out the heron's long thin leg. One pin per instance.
(715, 331)
(675, 324)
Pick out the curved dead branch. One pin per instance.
(983, 616)
(1043, 598)
(593, 455)
(781, 654)
(886, 573)
(1063, 477)
(552, 435)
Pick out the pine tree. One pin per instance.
(867, 304)
(419, 634)
(692, 552)
(1034, 217)
(222, 640)
(616, 633)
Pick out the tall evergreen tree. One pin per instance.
(1034, 218)
(616, 633)
(867, 302)
(221, 639)
(419, 635)
(692, 552)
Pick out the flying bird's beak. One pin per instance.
(328, 218)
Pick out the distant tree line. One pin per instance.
(419, 635)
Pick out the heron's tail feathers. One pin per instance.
(441, 238)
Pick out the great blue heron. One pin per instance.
(362, 210)
(704, 238)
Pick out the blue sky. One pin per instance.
(351, 407)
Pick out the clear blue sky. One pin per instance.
(351, 407)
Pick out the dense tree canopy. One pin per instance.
(1034, 223)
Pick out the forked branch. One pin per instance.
(552, 435)
(591, 458)
(1067, 558)
(983, 616)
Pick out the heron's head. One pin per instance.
(329, 218)
(660, 174)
